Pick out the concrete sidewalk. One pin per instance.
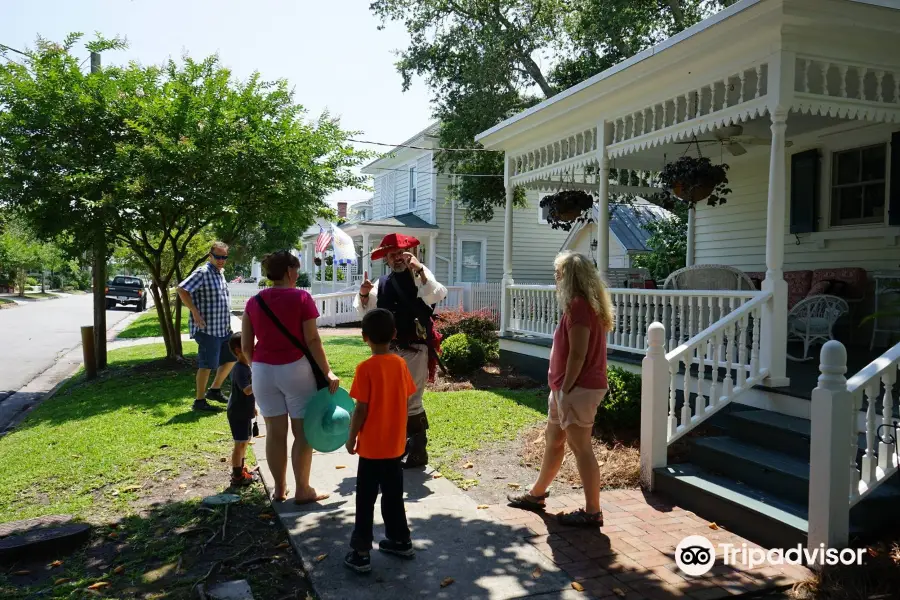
(485, 558)
(496, 552)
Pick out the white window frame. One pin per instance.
(459, 257)
(412, 197)
(831, 186)
(540, 211)
(852, 140)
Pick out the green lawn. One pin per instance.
(81, 451)
(6, 301)
(40, 295)
(147, 325)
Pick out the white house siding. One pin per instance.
(618, 257)
(401, 191)
(534, 245)
(424, 180)
(735, 233)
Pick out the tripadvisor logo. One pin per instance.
(695, 555)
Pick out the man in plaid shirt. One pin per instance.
(205, 294)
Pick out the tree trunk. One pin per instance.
(99, 289)
(535, 71)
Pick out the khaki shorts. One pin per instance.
(578, 407)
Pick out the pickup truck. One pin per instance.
(127, 291)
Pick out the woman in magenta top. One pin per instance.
(282, 378)
(578, 384)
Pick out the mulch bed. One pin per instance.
(171, 546)
(489, 377)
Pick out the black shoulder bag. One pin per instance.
(321, 379)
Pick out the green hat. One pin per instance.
(326, 423)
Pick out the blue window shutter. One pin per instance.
(805, 191)
(894, 192)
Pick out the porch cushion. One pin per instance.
(855, 279)
(819, 288)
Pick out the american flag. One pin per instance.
(323, 241)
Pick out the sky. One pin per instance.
(329, 51)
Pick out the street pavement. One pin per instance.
(38, 334)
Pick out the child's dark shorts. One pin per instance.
(241, 428)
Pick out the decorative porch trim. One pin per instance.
(577, 150)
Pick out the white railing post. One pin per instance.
(829, 468)
(654, 404)
(505, 303)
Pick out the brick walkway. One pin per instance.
(633, 555)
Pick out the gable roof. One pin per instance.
(400, 153)
(408, 220)
(627, 222)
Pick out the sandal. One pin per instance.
(581, 518)
(527, 501)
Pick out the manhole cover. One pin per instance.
(55, 534)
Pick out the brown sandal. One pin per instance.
(528, 502)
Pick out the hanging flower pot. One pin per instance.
(318, 261)
(692, 180)
(566, 207)
(329, 260)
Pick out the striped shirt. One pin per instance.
(209, 292)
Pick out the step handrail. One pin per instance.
(748, 373)
(873, 382)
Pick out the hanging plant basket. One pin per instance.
(691, 180)
(567, 207)
(317, 261)
(329, 260)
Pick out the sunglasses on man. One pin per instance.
(220, 256)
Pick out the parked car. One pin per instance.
(249, 280)
(129, 291)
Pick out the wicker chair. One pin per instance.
(709, 277)
(812, 320)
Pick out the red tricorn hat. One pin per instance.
(394, 241)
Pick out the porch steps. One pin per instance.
(752, 476)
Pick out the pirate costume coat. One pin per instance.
(411, 300)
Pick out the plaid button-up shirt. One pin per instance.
(209, 292)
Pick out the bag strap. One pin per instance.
(321, 379)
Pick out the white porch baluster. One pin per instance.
(728, 385)
(742, 353)
(862, 72)
(754, 350)
(843, 71)
(742, 83)
(829, 478)
(686, 407)
(759, 81)
(673, 320)
(879, 79)
(869, 461)
(714, 364)
(683, 327)
(886, 451)
(633, 342)
(855, 474)
(673, 388)
(825, 67)
(692, 331)
(806, 65)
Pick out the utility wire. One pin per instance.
(10, 48)
(438, 172)
(422, 147)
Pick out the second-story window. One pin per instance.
(412, 188)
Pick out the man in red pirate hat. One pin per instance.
(410, 291)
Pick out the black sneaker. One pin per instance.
(216, 396)
(204, 406)
(358, 562)
(404, 549)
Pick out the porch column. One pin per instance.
(507, 246)
(773, 335)
(691, 224)
(603, 200)
(366, 252)
(432, 250)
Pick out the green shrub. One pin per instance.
(31, 281)
(621, 408)
(264, 283)
(477, 324)
(463, 354)
(303, 280)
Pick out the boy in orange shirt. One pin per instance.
(381, 388)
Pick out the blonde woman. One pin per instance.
(578, 384)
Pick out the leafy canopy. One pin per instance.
(485, 60)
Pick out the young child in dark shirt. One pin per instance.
(241, 410)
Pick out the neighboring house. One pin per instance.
(411, 197)
(802, 99)
(628, 234)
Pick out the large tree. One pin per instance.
(186, 150)
(485, 60)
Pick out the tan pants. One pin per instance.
(416, 359)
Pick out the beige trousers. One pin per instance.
(416, 359)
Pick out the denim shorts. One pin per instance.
(213, 352)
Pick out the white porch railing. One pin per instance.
(685, 313)
(454, 299)
(836, 482)
(336, 309)
(729, 347)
